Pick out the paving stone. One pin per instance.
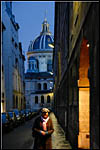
(58, 137)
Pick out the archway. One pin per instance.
(84, 95)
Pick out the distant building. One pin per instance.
(39, 75)
(76, 72)
(13, 86)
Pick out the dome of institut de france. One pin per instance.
(43, 40)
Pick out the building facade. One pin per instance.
(76, 71)
(39, 75)
(13, 85)
(3, 103)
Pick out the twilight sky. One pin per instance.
(30, 16)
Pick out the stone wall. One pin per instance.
(83, 24)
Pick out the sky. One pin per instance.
(30, 16)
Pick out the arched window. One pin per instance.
(36, 99)
(39, 86)
(42, 99)
(48, 99)
(45, 86)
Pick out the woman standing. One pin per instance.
(42, 130)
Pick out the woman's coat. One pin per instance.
(42, 141)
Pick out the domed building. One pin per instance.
(39, 75)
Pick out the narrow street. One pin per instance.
(21, 137)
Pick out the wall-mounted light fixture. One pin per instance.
(87, 44)
(51, 45)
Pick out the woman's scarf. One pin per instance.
(44, 123)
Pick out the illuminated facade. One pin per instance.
(39, 75)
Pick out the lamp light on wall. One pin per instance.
(51, 45)
(87, 44)
(50, 87)
(51, 73)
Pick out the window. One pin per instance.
(45, 86)
(15, 45)
(33, 66)
(49, 65)
(2, 68)
(48, 99)
(42, 99)
(2, 94)
(16, 102)
(36, 99)
(39, 86)
(12, 39)
(16, 62)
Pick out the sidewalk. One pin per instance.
(58, 137)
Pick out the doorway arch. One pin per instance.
(84, 97)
